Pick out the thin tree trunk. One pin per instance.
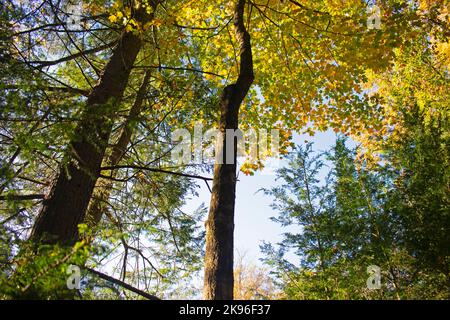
(102, 191)
(66, 203)
(218, 281)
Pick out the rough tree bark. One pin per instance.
(97, 205)
(66, 203)
(218, 281)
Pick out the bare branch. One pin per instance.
(156, 170)
(75, 55)
(122, 284)
(21, 197)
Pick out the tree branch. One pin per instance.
(67, 89)
(122, 284)
(181, 69)
(75, 55)
(21, 197)
(156, 170)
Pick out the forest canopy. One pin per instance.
(99, 100)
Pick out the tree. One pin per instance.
(308, 62)
(353, 221)
(252, 282)
(66, 203)
(412, 139)
(157, 243)
(311, 53)
(220, 223)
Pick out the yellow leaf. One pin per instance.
(157, 22)
(129, 28)
(112, 18)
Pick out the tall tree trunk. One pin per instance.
(218, 281)
(103, 188)
(66, 203)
